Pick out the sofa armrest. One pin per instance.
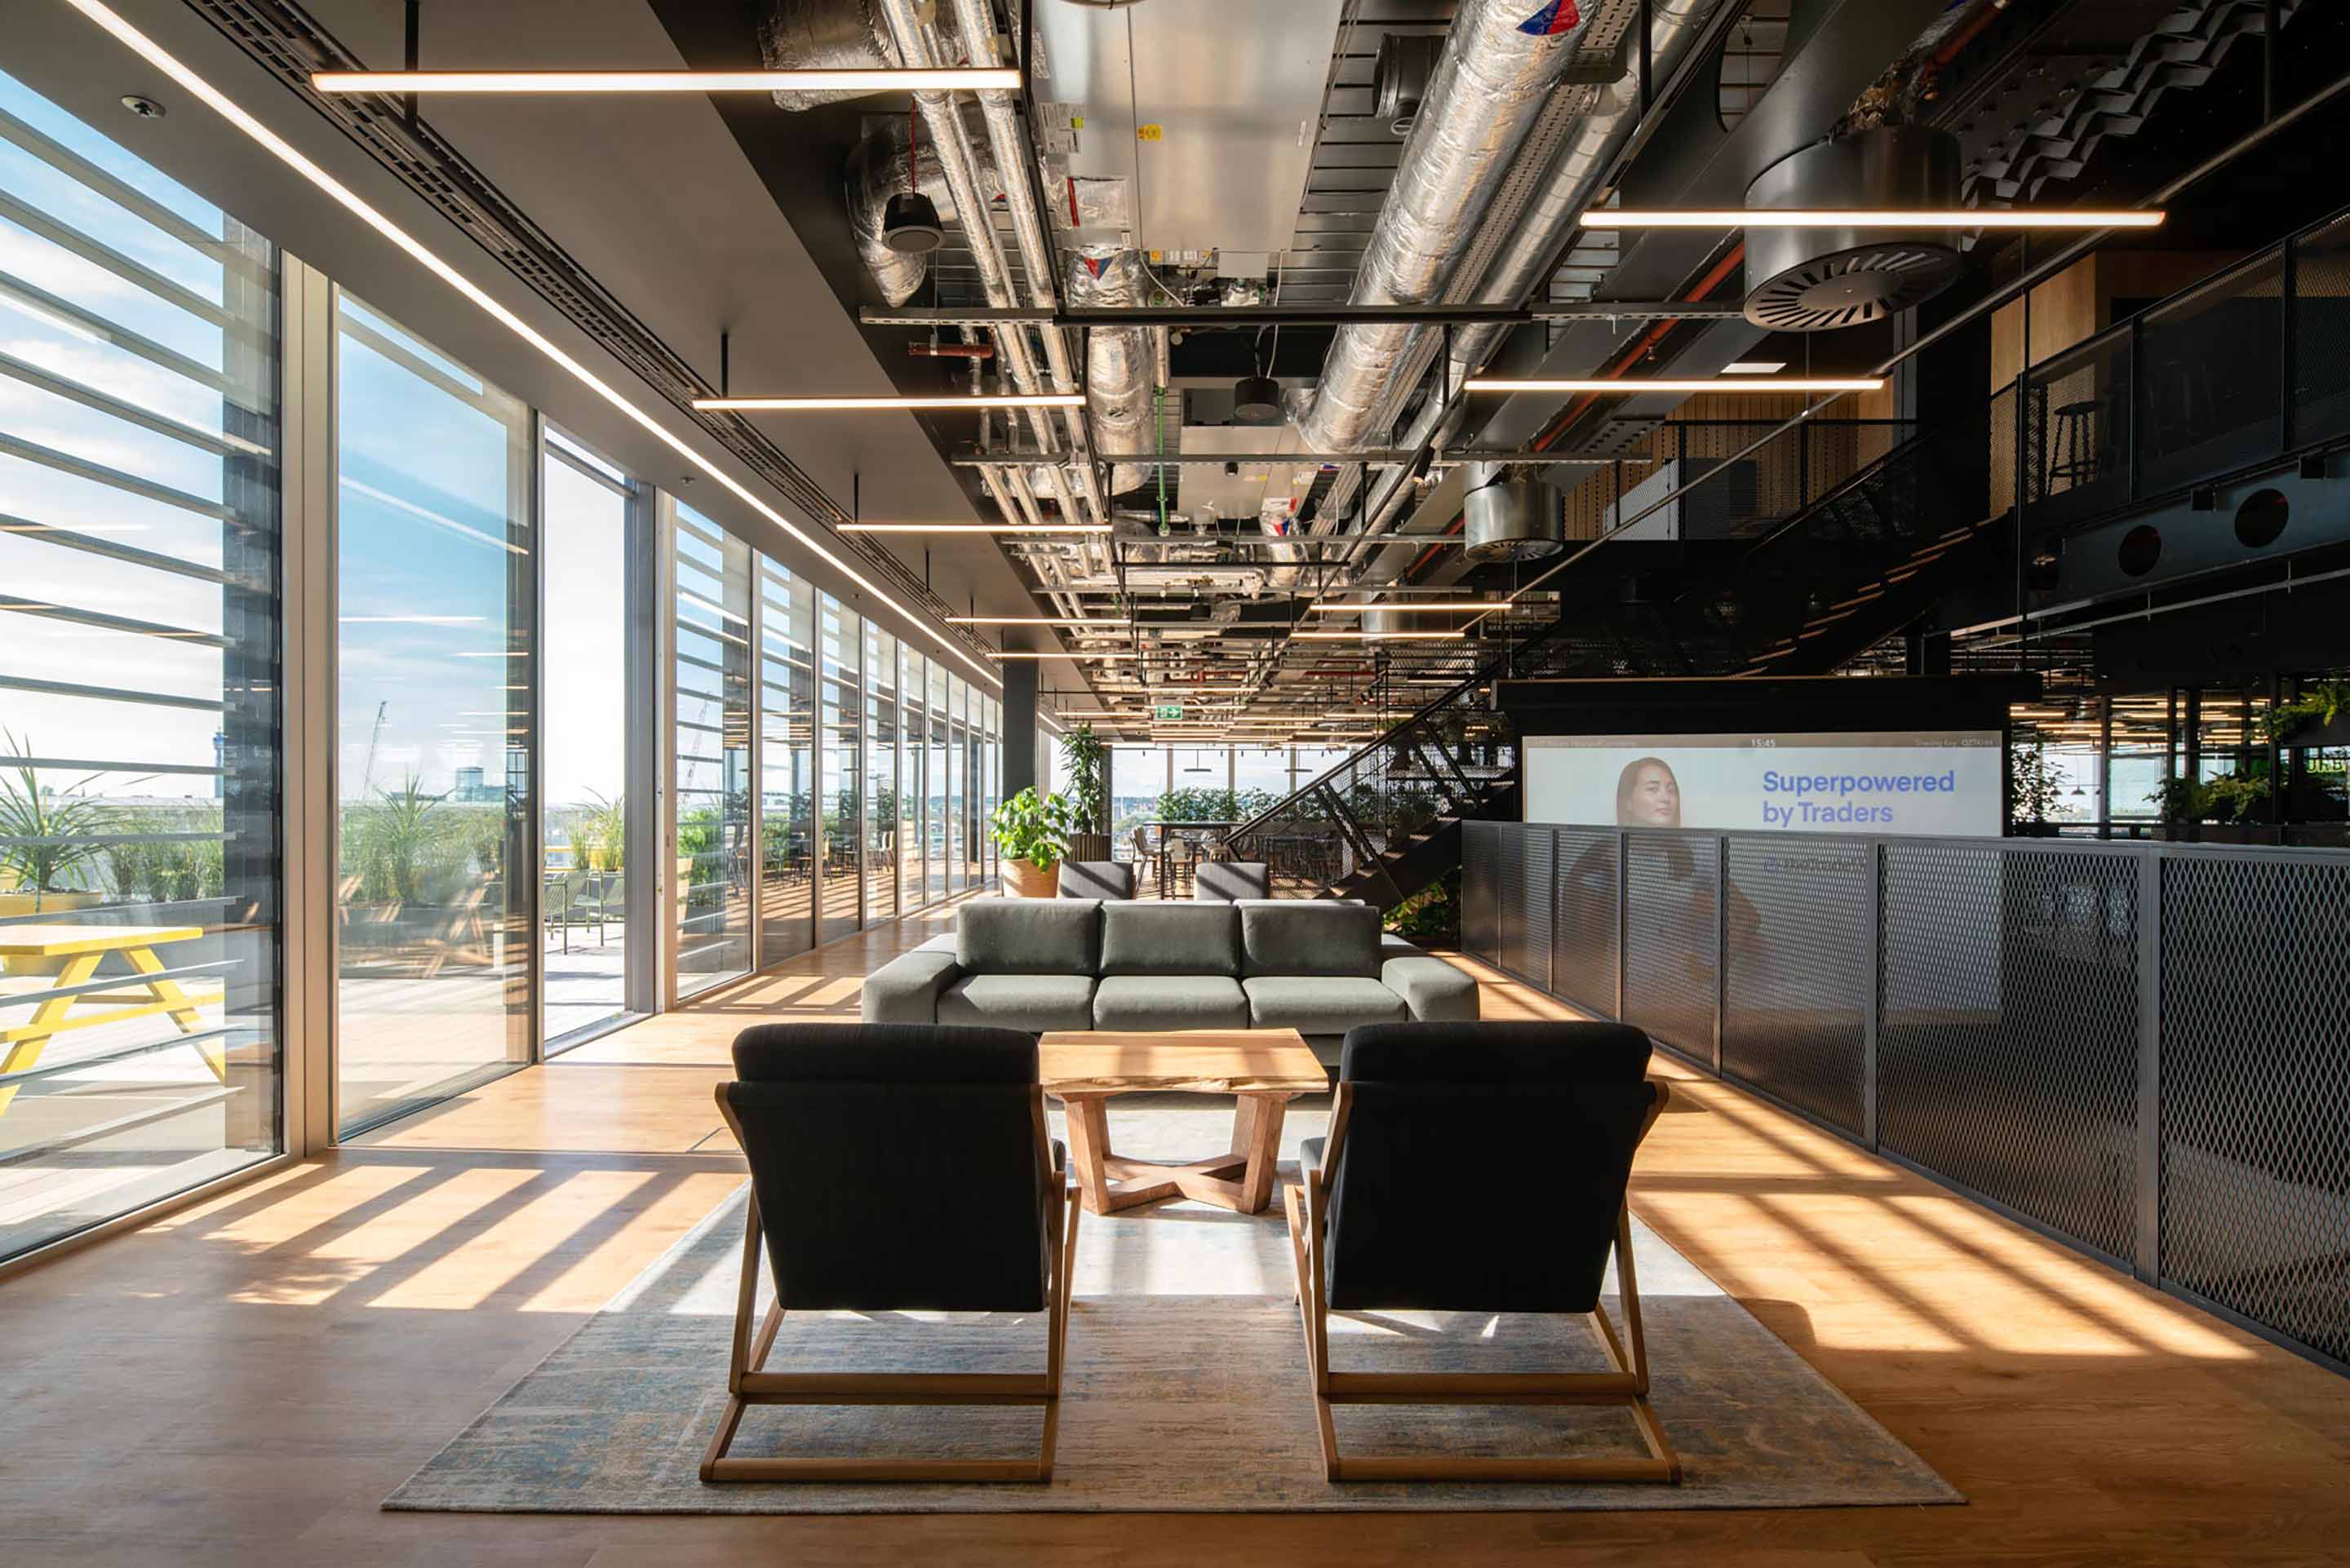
(1433, 990)
(906, 990)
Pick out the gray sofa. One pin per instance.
(1317, 966)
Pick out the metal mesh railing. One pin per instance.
(2256, 1090)
(2140, 1049)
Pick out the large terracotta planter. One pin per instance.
(1027, 879)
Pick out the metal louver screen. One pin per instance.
(1583, 934)
(2256, 1091)
(1526, 894)
(2007, 1055)
(1669, 936)
(1796, 989)
(1481, 845)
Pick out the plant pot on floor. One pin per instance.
(1027, 879)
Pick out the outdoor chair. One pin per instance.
(1096, 879)
(1545, 1116)
(1225, 881)
(894, 1168)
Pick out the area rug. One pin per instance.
(1186, 1391)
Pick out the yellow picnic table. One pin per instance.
(35, 960)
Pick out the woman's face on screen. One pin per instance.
(1656, 800)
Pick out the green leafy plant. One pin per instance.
(1088, 764)
(39, 826)
(392, 842)
(2033, 785)
(2229, 800)
(2317, 706)
(599, 838)
(1032, 828)
(1431, 917)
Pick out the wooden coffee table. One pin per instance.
(1266, 1068)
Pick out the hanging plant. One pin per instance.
(2317, 707)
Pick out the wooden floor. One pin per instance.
(240, 1383)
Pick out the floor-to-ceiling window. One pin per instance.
(711, 785)
(138, 716)
(990, 755)
(583, 742)
(958, 784)
(436, 582)
(840, 767)
(788, 686)
(913, 777)
(880, 773)
(1259, 777)
(940, 786)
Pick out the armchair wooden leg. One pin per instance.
(748, 1384)
(1625, 1384)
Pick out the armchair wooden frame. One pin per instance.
(748, 1384)
(1625, 1384)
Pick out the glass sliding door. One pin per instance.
(711, 792)
(880, 773)
(840, 793)
(583, 692)
(788, 686)
(436, 588)
(139, 715)
(991, 756)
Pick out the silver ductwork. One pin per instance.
(1485, 95)
(877, 171)
(1120, 361)
(1569, 186)
(822, 35)
(1506, 519)
(1817, 280)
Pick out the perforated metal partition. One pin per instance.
(1671, 938)
(1796, 988)
(2141, 1049)
(1583, 923)
(2255, 1199)
(2007, 1049)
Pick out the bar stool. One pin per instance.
(2073, 448)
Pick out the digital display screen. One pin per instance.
(1947, 783)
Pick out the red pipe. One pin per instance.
(1721, 269)
(951, 350)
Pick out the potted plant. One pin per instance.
(44, 841)
(1032, 831)
(1088, 764)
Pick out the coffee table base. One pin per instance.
(1239, 1180)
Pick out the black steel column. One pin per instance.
(1020, 759)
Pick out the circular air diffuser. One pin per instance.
(910, 225)
(1816, 280)
(1510, 519)
(1256, 400)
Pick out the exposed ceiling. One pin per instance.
(1196, 153)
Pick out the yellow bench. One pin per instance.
(36, 960)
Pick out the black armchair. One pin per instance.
(894, 1168)
(1550, 1114)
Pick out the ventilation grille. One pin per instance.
(1812, 297)
(285, 41)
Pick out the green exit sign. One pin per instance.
(1167, 711)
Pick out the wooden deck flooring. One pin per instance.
(240, 1383)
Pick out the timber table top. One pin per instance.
(62, 941)
(1193, 1061)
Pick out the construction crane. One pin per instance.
(367, 775)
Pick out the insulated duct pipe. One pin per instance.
(1119, 360)
(1575, 174)
(1499, 66)
(952, 141)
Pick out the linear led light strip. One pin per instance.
(940, 79)
(1868, 218)
(853, 405)
(146, 48)
(1632, 386)
(1032, 530)
(1443, 607)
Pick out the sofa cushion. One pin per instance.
(1169, 1002)
(1031, 1001)
(1028, 935)
(1096, 879)
(1312, 1004)
(1170, 938)
(906, 989)
(1309, 936)
(1434, 991)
